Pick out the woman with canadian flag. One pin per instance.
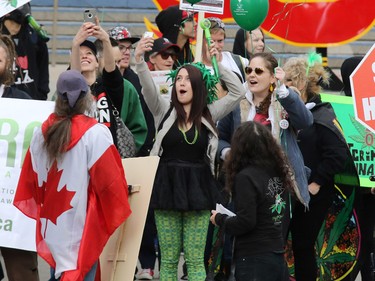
(73, 184)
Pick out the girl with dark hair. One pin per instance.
(258, 177)
(185, 189)
(73, 184)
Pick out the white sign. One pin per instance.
(7, 6)
(208, 6)
(160, 79)
(18, 121)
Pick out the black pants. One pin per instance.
(305, 226)
(367, 229)
(20, 264)
(264, 266)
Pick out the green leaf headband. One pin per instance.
(210, 80)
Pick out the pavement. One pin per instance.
(44, 273)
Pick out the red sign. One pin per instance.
(362, 82)
(315, 23)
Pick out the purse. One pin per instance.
(125, 139)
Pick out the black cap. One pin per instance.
(162, 44)
(90, 45)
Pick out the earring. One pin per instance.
(271, 88)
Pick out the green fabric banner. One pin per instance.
(360, 140)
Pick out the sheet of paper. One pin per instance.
(221, 209)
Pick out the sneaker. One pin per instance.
(146, 274)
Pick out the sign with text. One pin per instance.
(18, 121)
(7, 6)
(163, 85)
(362, 82)
(361, 141)
(208, 6)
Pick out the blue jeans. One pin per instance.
(264, 267)
(90, 276)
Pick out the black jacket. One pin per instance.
(32, 73)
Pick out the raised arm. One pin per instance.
(86, 30)
(236, 92)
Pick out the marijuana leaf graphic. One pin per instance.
(364, 134)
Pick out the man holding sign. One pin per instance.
(20, 264)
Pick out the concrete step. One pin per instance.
(70, 18)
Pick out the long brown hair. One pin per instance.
(199, 107)
(57, 136)
(7, 78)
(254, 145)
(271, 63)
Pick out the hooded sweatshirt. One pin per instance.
(169, 21)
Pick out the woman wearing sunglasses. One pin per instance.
(162, 56)
(269, 102)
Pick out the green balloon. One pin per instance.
(249, 14)
(192, 2)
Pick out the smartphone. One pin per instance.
(89, 15)
(148, 34)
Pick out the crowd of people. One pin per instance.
(255, 137)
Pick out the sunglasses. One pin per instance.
(257, 70)
(165, 55)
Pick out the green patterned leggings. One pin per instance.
(182, 230)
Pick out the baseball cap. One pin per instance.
(71, 86)
(216, 23)
(90, 45)
(120, 33)
(162, 44)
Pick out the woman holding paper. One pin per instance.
(258, 177)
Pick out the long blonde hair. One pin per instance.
(310, 77)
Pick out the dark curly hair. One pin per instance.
(254, 145)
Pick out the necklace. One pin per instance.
(195, 136)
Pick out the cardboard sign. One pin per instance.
(119, 257)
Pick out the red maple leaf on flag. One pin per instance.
(54, 202)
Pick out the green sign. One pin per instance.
(360, 140)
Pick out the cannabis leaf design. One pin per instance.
(363, 134)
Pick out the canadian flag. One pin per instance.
(77, 201)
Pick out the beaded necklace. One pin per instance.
(195, 136)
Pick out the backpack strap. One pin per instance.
(237, 59)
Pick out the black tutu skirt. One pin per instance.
(184, 186)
